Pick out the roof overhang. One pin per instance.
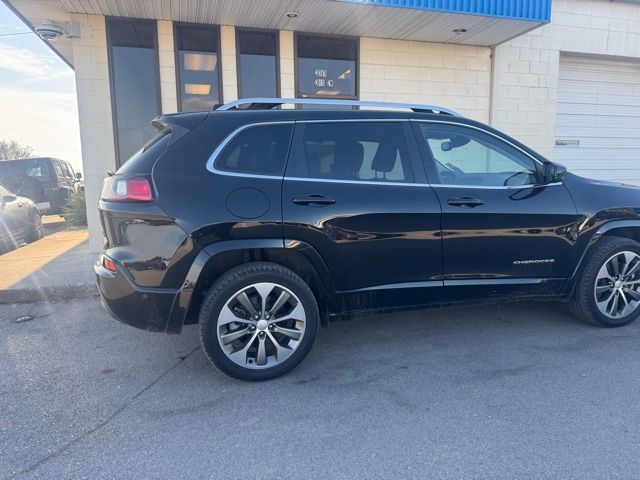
(479, 22)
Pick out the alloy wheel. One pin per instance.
(617, 285)
(261, 325)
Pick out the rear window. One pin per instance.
(142, 161)
(261, 149)
(37, 169)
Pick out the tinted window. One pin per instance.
(134, 82)
(326, 66)
(258, 150)
(465, 156)
(367, 151)
(257, 64)
(198, 67)
(30, 168)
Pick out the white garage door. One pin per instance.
(598, 123)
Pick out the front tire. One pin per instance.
(258, 321)
(607, 293)
(35, 231)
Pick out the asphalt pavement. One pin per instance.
(509, 391)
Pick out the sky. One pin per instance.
(38, 105)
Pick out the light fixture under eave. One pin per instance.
(458, 31)
(292, 14)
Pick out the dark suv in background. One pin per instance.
(261, 223)
(47, 181)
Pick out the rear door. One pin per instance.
(356, 192)
(502, 230)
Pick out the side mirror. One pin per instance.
(8, 198)
(78, 176)
(553, 172)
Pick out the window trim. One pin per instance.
(299, 94)
(210, 165)
(211, 162)
(276, 35)
(430, 161)
(176, 55)
(112, 88)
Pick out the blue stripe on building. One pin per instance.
(528, 10)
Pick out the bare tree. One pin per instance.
(12, 149)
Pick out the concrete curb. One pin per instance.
(52, 294)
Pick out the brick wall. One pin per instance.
(228, 59)
(455, 76)
(94, 110)
(287, 81)
(525, 83)
(167, 64)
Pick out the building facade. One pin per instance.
(563, 78)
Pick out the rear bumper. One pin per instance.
(144, 308)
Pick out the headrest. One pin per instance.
(385, 158)
(347, 159)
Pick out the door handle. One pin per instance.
(465, 202)
(313, 200)
(19, 204)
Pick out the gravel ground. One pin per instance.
(511, 391)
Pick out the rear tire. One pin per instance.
(258, 321)
(607, 294)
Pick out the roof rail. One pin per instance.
(269, 103)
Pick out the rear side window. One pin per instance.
(261, 149)
(357, 151)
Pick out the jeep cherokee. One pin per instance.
(259, 223)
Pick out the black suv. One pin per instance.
(261, 223)
(47, 181)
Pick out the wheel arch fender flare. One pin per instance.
(604, 229)
(287, 253)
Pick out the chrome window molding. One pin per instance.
(357, 182)
(497, 187)
(212, 168)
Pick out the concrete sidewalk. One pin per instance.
(57, 267)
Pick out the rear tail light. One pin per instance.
(119, 189)
(55, 186)
(108, 264)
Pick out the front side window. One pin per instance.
(134, 82)
(198, 67)
(465, 156)
(257, 64)
(258, 150)
(326, 67)
(357, 151)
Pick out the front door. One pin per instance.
(503, 232)
(356, 192)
